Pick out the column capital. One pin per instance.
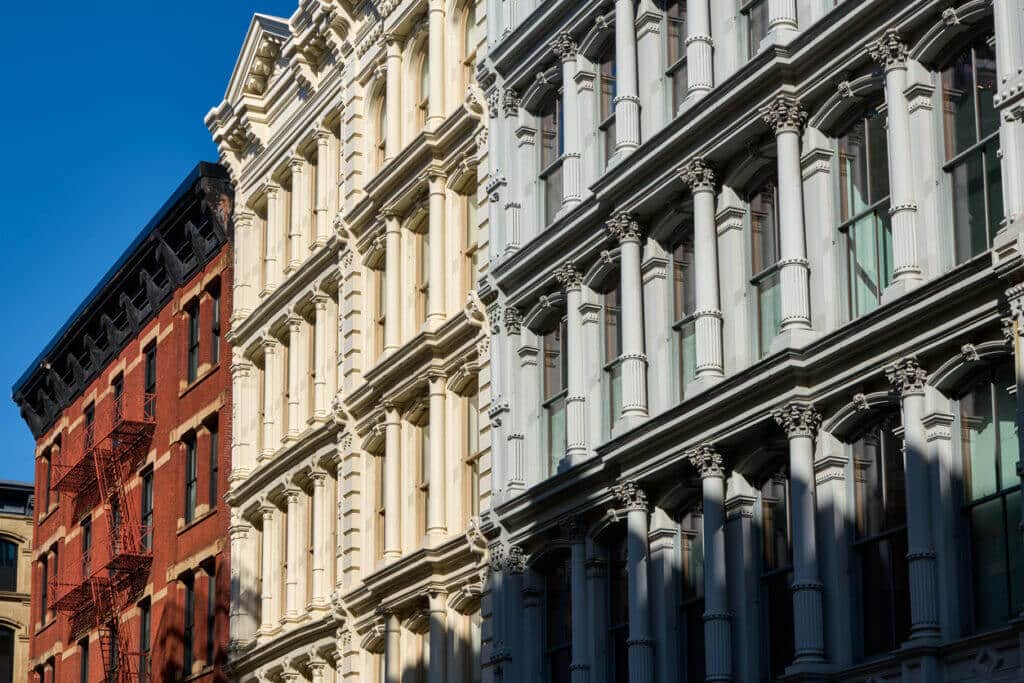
(241, 369)
(515, 562)
(270, 345)
(322, 136)
(318, 477)
(510, 103)
(393, 39)
(267, 511)
(907, 376)
(624, 227)
(297, 164)
(698, 175)
(630, 496)
(564, 46)
(889, 51)
(513, 320)
(798, 419)
(568, 276)
(572, 528)
(294, 323)
(436, 379)
(291, 495)
(272, 190)
(707, 461)
(785, 114)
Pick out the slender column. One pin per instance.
(294, 375)
(271, 422)
(436, 294)
(393, 87)
(628, 232)
(320, 527)
(271, 249)
(782, 20)
(565, 49)
(786, 117)
(435, 55)
(891, 52)
(392, 651)
(1009, 100)
(299, 223)
(533, 602)
(515, 567)
(437, 526)
(241, 438)
(529, 379)
(801, 422)
(700, 75)
(392, 487)
(393, 283)
(908, 378)
(700, 178)
(438, 636)
(510, 103)
(293, 548)
(579, 669)
(1014, 327)
(627, 102)
(717, 629)
(242, 619)
(323, 188)
(575, 402)
(268, 607)
(243, 279)
(317, 670)
(641, 647)
(515, 476)
(321, 330)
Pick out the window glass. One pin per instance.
(612, 353)
(147, 510)
(6, 654)
(777, 574)
(552, 142)
(188, 633)
(756, 12)
(606, 99)
(8, 566)
(190, 477)
(149, 400)
(764, 230)
(684, 304)
(557, 621)
(555, 380)
(214, 463)
(675, 20)
(618, 610)
(215, 327)
(145, 638)
(193, 342)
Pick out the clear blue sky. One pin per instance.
(102, 117)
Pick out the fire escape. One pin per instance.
(95, 469)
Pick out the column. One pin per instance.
(641, 649)
(293, 548)
(268, 604)
(320, 526)
(717, 630)
(625, 228)
(1009, 100)
(801, 422)
(908, 378)
(242, 619)
(579, 669)
(393, 89)
(533, 624)
(786, 117)
(437, 525)
(271, 438)
(294, 374)
(271, 248)
(245, 243)
(700, 178)
(438, 636)
(392, 487)
(700, 76)
(500, 177)
(299, 223)
(241, 395)
(436, 313)
(392, 648)
(891, 52)
(317, 669)
(435, 56)
(627, 102)
(322, 229)
(527, 410)
(515, 475)
(565, 49)
(393, 282)
(742, 577)
(782, 21)
(321, 331)
(575, 403)
(515, 567)
(1015, 296)
(664, 583)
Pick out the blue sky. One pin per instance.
(102, 118)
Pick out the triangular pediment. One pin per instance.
(258, 58)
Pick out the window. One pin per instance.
(606, 98)
(145, 638)
(423, 485)
(8, 566)
(215, 325)
(86, 547)
(691, 606)
(149, 405)
(469, 43)
(422, 276)
(118, 387)
(112, 658)
(557, 637)
(776, 574)
(552, 147)
(473, 453)
(190, 476)
(972, 148)
(380, 495)
(83, 660)
(992, 500)
(44, 589)
(756, 14)
(6, 654)
(382, 132)
(684, 304)
(47, 483)
(115, 523)
(381, 314)
(881, 545)
(147, 510)
(192, 311)
(864, 211)
(423, 103)
(675, 19)
(214, 462)
(555, 350)
(612, 317)
(763, 213)
(618, 610)
(211, 615)
(90, 424)
(471, 254)
(189, 626)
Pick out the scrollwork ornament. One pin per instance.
(798, 419)
(564, 46)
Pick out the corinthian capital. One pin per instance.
(889, 50)
(798, 419)
(784, 114)
(630, 496)
(698, 176)
(624, 227)
(907, 376)
(515, 562)
(568, 276)
(513, 320)
(706, 460)
(564, 46)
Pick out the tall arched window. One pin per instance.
(423, 86)
(6, 654)
(611, 315)
(607, 92)
(684, 305)
(557, 636)
(763, 215)
(555, 387)
(469, 42)
(8, 566)
(381, 132)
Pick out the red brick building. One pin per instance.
(130, 405)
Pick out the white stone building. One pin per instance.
(356, 137)
(757, 278)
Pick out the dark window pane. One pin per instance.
(985, 87)
(989, 571)
(958, 105)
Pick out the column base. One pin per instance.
(781, 35)
(628, 422)
(699, 385)
(901, 287)
(793, 339)
(808, 671)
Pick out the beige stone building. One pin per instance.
(356, 137)
(16, 503)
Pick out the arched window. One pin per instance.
(763, 215)
(991, 502)
(675, 57)
(557, 636)
(423, 99)
(972, 148)
(469, 42)
(552, 149)
(6, 654)
(555, 387)
(684, 305)
(606, 98)
(618, 609)
(611, 306)
(691, 607)
(8, 566)
(380, 134)
(864, 211)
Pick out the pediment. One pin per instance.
(258, 58)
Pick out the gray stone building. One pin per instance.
(755, 296)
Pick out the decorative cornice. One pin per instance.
(907, 376)
(798, 419)
(698, 176)
(785, 114)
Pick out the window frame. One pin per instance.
(146, 509)
(145, 639)
(606, 73)
(550, 400)
(188, 626)
(380, 502)
(678, 65)
(774, 571)
(612, 366)
(191, 445)
(748, 7)
(192, 342)
(215, 324)
(149, 380)
(758, 279)
(471, 460)
(553, 167)
(8, 544)
(213, 428)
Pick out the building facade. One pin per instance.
(356, 137)
(757, 268)
(16, 502)
(130, 404)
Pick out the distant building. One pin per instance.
(15, 578)
(130, 405)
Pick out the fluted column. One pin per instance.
(801, 422)
(575, 402)
(242, 618)
(392, 648)
(641, 648)
(299, 223)
(271, 248)
(435, 55)
(700, 178)
(317, 669)
(786, 117)
(393, 283)
(437, 526)
(625, 228)
(891, 52)
(579, 668)
(627, 101)
(717, 630)
(322, 229)
(320, 369)
(393, 85)
(242, 394)
(515, 471)
(700, 73)
(293, 547)
(271, 543)
(1009, 100)
(782, 20)
(294, 375)
(565, 49)
(320, 527)
(243, 281)
(271, 421)
(436, 294)
(392, 490)
(908, 378)
(438, 635)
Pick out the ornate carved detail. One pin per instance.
(572, 528)
(950, 17)
(624, 227)
(889, 50)
(707, 461)
(568, 276)
(516, 560)
(845, 90)
(907, 376)
(630, 496)
(969, 353)
(698, 176)
(798, 419)
(513, 320)
(785, 114)
(564, 46)
(510, 103)
(496, 556)
(860, 402)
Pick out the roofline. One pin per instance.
(18, 485)
(203, 169)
